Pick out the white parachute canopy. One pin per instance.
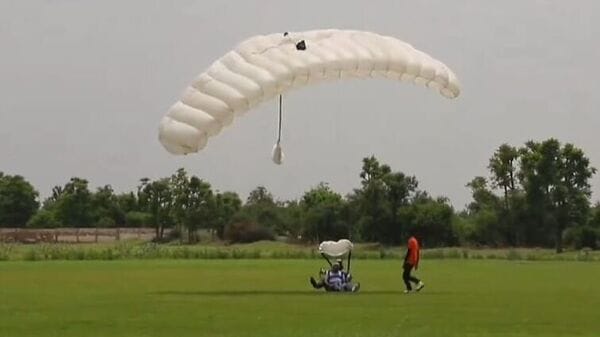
(265, 66)
(336, 248)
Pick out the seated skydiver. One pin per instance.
(335, 279)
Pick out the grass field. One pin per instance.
(135, 250)
(273, 298)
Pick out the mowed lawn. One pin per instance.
(273, 298)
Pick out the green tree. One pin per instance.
(483, 197)
(193, 203)
(227, 204)
(156, 198)
(72, 204)
(371, 199)
(18, 201)
(483, 212)
(129, 205)
(503, 168)
(43, 219)
(260, 208)
(432, 219)
(595, 217)
(106, 208)
(260, 195)
(292, 216)
(399, 190)
(322, 215)
(381, 196)
(127, 202)
(556, 182)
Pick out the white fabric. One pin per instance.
(265, 66)
(278, 155)
(336, 248)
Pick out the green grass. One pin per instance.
(273, 298)
(127, 250)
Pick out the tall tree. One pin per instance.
(227, 204)
(503, 168)
(595, 216)
(259, 195)
(556, 183)
(379, 200)
(193, 203)
(371, 199)
(156, 198)
(260, 208)
(322, 215)
(432, 218)
(18, 201)
(484, 213)
(106, 207)
(483, 197)
(72, 204)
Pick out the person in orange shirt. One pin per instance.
(411, 260)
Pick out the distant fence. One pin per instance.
(75, 235)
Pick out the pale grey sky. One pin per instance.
(83, 85)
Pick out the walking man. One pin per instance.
(411, 260)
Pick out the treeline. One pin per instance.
(537, 195)
(544, 200)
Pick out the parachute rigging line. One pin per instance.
(279, 129)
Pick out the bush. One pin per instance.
(5, 251)
(453, 254)
(583, 236)
(138, 219)
(246, 232)
(513, 255)
(584, 254)
(433, 254)
(105, 222)
(43, 219)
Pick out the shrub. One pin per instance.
(582, 236)
(5, 251)
(245, 232)
(433, 254)
(138, 219)
(513, 255)
(31, 255)
(584, 254)
(453, 254)
(492, 256)
(43, 219)
(105, 222)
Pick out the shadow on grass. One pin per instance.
(277, 292)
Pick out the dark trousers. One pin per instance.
(407, 277)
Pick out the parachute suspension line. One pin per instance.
(279, 128)
(277, 155)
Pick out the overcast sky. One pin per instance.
(84, 84)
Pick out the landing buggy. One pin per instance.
(336, 278)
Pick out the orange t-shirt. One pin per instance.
(413, 251)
